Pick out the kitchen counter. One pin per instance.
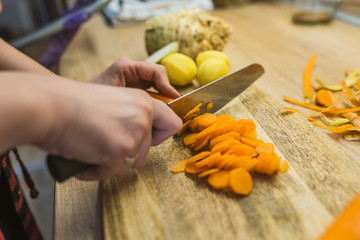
(324, 168)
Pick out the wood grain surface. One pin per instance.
(152, 203)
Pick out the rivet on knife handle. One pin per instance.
(61, 168)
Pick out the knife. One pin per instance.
(219, 93)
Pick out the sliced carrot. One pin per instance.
(193, 112)
(287, 109)
(250, 127)
(302, 104)
(206, 120)
(226, 161)
(221, 130)
(191, 116)
(225, 146)
(219, 179)
(307, 87)
(268, 163)
(242, 149)
(325, 97)
(194, 124)
(179, 166)
(198, 157)
(357, 84)
(208, 172)
(192, 168)
(232, 146)
(341, 129)
(265, 147)
(253, 142)
(190, 139)
(225, 118)
(184, 128)
(240, 181)
(349, 94)
(160, 97)
(347, 223)
(209, 106)
(201, 144)
(321, 109)
(223, 137)
(209, 161)
(284, 166)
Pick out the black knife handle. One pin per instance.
(62, 168)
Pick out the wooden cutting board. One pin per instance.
(153, 203)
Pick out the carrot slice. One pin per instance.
(321, 109)
(206, 120)
(208, 161)
(287, 109)
(307, 88)
(349, 94)
(219, 179)
(184, 127)
(193, 112)
(347, 223)
(242, 149)
(209, 106)
(192, 168)
(250, 127)
(223, 137)
(179, 166)
(325, 97)
(284, 166)
(201, 144)
(160, 97)
(225, 146)
(190, 139)
(265, 147)
(268, 163)
(240, 181)
(198, 157)
(208, 172)
(253, 142)
(341, 129)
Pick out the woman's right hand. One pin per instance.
(91, 123)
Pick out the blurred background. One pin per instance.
(21, 18)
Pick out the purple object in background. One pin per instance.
(60, 40)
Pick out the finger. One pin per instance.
(157, 74)
(165, 123)
(143, 150)
(98, 173)
(114, 168)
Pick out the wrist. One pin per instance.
(24, 110)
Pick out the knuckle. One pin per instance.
(121, 148)
(121, 62)
(162, 68)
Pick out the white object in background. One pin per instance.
(132, 10)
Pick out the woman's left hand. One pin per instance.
(137, 74)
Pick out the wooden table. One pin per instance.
(263, 33)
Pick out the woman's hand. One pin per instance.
(95, 124)
(129, 73)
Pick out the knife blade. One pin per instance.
(219, 93)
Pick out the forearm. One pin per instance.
(12, 59)
(23, 116)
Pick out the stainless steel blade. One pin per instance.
(219, 92)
